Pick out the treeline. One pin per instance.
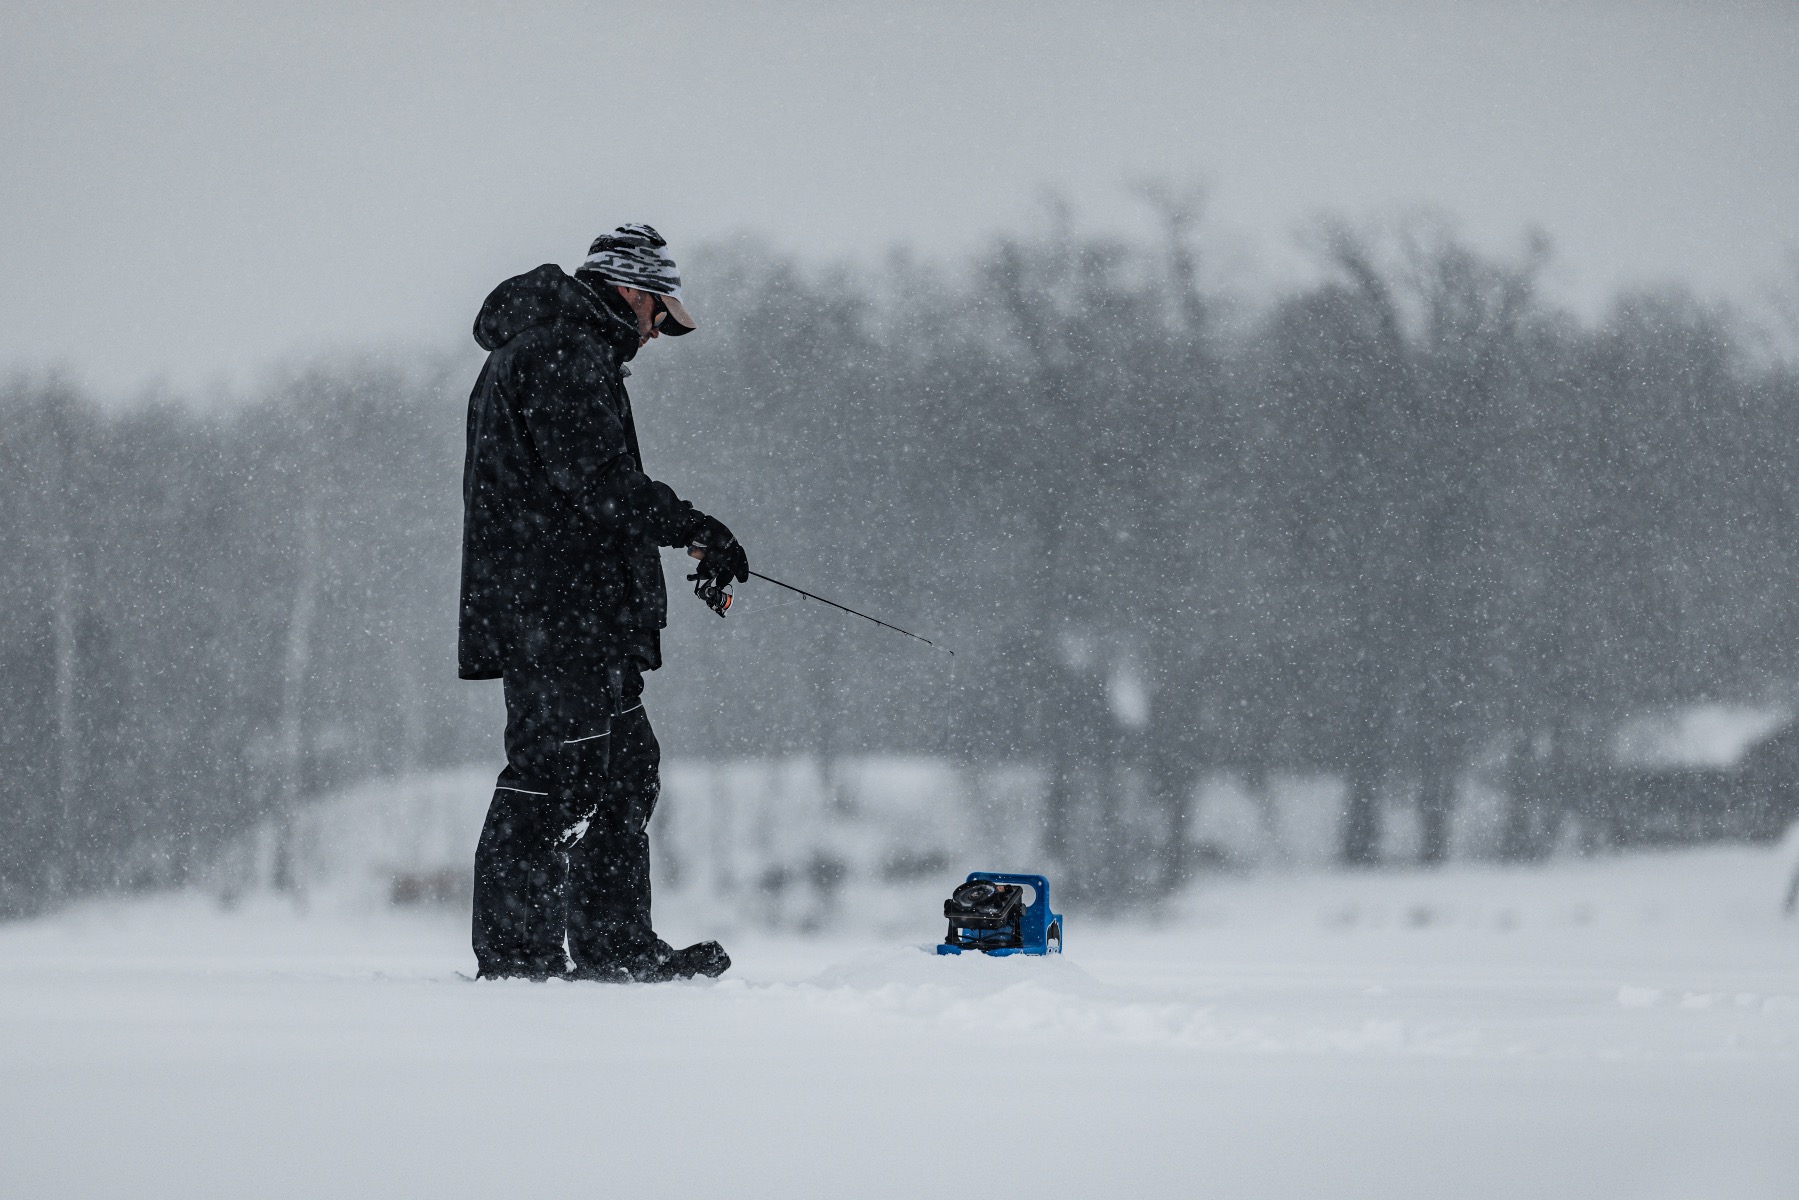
(207, 617)
(1381, 527)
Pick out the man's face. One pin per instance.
(644, 305)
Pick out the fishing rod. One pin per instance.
(852, 612)
(718, 598)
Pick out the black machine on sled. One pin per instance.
(990, 913)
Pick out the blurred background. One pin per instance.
(1325, 434)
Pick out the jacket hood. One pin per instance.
(545, 295)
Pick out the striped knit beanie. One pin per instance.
(636, 256)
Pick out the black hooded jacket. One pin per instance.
(560, 524)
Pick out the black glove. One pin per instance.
(724, 558)
(721, 560)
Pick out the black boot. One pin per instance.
(536, 971)
(701, 958)
(659, 963)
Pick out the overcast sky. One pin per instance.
(189, 191)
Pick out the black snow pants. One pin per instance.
(565, 849)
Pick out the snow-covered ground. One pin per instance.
(1620, 1027)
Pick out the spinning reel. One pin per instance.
(713, 591)
(716, 593)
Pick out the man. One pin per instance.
(563, 599)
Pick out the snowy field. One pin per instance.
(1616, 1027)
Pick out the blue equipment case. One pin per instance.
(1039, 931)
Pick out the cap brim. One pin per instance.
(680, 322)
